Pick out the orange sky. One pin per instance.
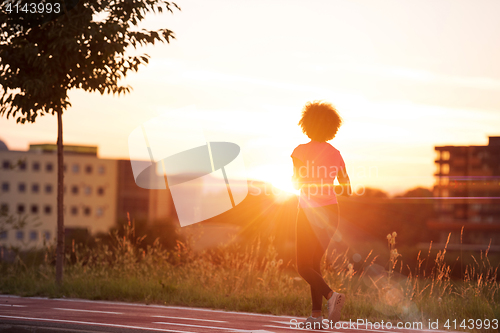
(404, 75)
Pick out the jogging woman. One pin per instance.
(316, 165)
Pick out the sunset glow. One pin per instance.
(179, 191)
(405, 77)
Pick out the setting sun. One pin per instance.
(279, 176)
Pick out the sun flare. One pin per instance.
(284, 186)
(281, 181)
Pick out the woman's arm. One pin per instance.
(344, 183)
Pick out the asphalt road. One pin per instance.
(42, 315)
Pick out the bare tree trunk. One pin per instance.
(60, 201)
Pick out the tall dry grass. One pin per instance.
(255, 279)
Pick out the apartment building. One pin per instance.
(467, 192)
(97, 192)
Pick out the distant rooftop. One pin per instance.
(52, 148)
(494, 141)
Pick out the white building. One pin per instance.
(28, 189)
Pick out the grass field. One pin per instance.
(253, 279)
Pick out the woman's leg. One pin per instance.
(309, 254)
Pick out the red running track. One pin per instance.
(34, 314)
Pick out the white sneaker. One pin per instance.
(335, 304)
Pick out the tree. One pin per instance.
(57, 45)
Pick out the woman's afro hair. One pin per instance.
(320, 121)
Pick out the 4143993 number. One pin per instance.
(472, 324)
(33, 8)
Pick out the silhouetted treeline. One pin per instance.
(374, 214)
(365, 219)
(268, 213)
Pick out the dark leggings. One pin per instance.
(310, 250)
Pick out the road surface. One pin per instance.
(43, 315)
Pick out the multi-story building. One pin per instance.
(467, 194)
(97, 193)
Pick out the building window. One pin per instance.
(19, 235)
(476, 207)
(6, 164)
(101, 170)
(5, 187)
(36, 166)
(21, 187)
(100, 190)
(49, 167)
(20, 208)
(99, 212)
(48, 188)
(34, 209)
(88, 169)
(446, 207)
(437, 154)
(74, 210)
(445, 155)
(4, 208)
(74, 189)
(88, 190)
(46, 235)
(35, 188)
(483, 155)
(86, 211)
(33, 235)
(76, 168)
(3, 234)
(22, 165)
(47, 209)
(445, 169)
